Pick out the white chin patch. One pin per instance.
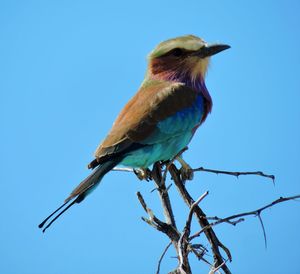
(200, 68)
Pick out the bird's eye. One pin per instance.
(177, 52)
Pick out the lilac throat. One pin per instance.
(199, 85)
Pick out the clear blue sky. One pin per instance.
(68, 67)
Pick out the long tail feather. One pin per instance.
(43, 222)
(81, 191)
(57, 216)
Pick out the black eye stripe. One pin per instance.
(177, 52)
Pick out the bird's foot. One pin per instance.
(143, 173)
(186, 172)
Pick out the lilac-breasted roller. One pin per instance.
(161, 118)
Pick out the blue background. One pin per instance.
(68, 67)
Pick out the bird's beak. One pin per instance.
(210, 50)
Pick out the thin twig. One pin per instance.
(214, 270)
(215, 171)
(200, 256)
(256, 212)
(142, 201)
(263, 229)
(155, 222)
(235, 173)
(192, 209)
(162, 256)
(183, 240)
(234, 222)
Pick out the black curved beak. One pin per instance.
(207, 51)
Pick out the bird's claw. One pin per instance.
(186, 173)
(143, 174)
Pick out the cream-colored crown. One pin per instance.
(188, 42)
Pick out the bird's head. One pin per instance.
(181, 58)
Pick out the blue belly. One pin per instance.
(171, 135)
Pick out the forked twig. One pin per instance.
(201, 218)
(256, 212)
(182, 241)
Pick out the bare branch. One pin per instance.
(182, 242)
(215, 171)
(201, 217)
(234, 222)
(162, 256)
(192, 209)
(163, 194)
(142, 201)
(214, 270)
(263, 229)
(155, 222)
(256, 212)
(235, 173)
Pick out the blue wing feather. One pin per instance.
(170, 136)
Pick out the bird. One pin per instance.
(160, 120)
